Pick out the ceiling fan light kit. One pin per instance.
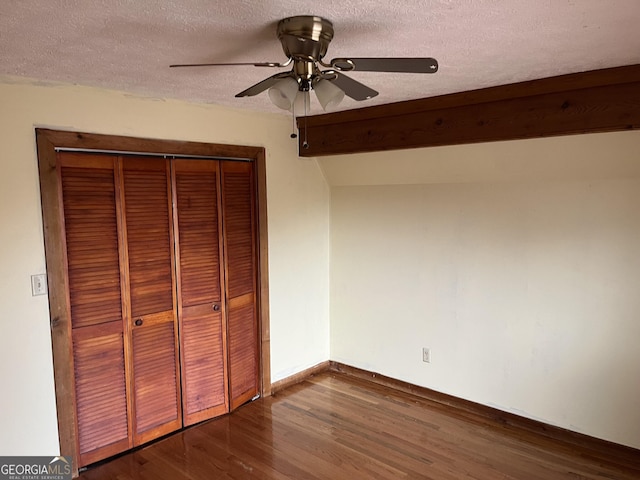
(329, 95)
(283, 93)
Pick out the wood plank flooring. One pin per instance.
(333, 426)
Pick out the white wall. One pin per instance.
(298, 210)
(516, 263)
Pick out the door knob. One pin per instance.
(216, 307)
(139, 322)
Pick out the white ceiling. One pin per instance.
(129, 44)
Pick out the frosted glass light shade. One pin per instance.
(283, 93)
(298, 105)
(328, 94)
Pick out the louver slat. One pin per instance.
(203, 332)
(242, 352)
(197, 212)
(101, 400)
(148, 236)
(238, 221)
(203, 364)
(237, 202)
(155, 392)
(92, 243)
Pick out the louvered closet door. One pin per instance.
(200, 305)
(152, 319)
(95, 284)
(240, 260)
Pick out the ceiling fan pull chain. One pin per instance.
(293, 122)
(305, 144)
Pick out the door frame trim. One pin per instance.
(48, 141)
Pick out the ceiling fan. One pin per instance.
(305, 40)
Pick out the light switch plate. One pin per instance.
(39, 284)
(426, 355)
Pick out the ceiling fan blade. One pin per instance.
(258, 64)
(263, 85)
(353, 89)
(400, 65)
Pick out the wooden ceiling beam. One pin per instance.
(595, 101)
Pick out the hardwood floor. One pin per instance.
(333, 426)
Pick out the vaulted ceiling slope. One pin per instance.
(129, 44)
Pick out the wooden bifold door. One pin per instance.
(162, 293)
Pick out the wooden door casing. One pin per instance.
(52, 143)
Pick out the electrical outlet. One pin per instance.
(426, 355)
(38, 284)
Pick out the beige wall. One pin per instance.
(516, 263)
(298, 200)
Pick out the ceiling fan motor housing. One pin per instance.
(305, 37)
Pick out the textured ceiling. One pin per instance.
(129, 44)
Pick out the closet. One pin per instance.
(161, 281)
